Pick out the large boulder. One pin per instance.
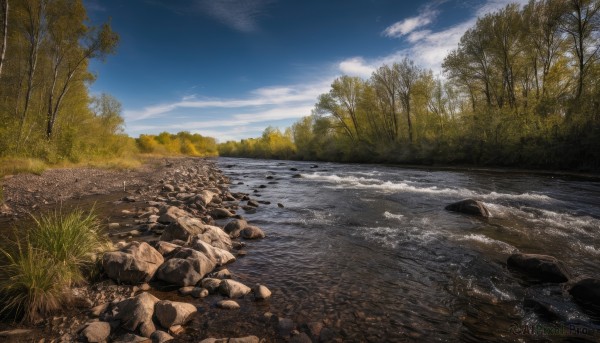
(233, 289)
(211, 284)
(469, 206)
(234, 227)
(185, 267)
(135, 263)
(540, 267)
(165, 248)
(252, 232)
(218, 256)
(586, 291)
(135, 314)
(178, 271)
(96, 332)
(168, 215)
(161, 337)
(171, 313)
(186, 228)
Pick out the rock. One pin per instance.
(233, 289)
(15, 332)
(168, 188)
(252, 203)
(252, 232)
(314, 328)
(219, 256)
(96, 331)
(170, 313)
(164, 247)
(113, 226)
(469, 206)
(176, 330)
(261, 292)
(186, 227)
(187, 290)
(96, 311)
(220, 213)
(221, 274)
(301, 338)
(211, 285)
(541, 267)
(135, 263)
(280, 205)
(234, 227)
(179, 271)
(586, 291)
(136, 313)
(228, 305)
(205, 197)
(170, 214)
(296, 176)
(160, 337)
(199, 292)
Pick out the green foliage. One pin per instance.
(272, 144)
(36, 271)
(182, 143)
(521, 89)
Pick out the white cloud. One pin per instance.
(356, 66)
(409, 25)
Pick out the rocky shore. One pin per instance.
(179, 229)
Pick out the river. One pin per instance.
(370, 251)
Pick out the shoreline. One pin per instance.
(135, 214)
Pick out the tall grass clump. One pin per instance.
(71, 239)
(37, 271)
(31, 282)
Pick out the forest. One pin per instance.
(522, 88)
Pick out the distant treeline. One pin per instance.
(521, 89)
(182, 143)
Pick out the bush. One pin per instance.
(32, 284)
(36, 271)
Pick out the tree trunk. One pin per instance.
(4, 33)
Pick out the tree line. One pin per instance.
(46, 109)
(522, 88)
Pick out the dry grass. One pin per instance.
(11, 166)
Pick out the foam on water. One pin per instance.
(505, 247)
(391, 236)
(404, 186)
(389, 215)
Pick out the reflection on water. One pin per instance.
(371, 252)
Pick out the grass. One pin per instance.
(17, 165)
(36, 272)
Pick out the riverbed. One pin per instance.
(370, 251)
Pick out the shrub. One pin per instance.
(70, 239)
(31, 283)
(36, 271)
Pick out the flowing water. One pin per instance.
(370, 251)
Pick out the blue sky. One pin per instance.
(230, 68)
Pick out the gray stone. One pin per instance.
(186, 228)
(469, 206)
(210, 284)
(165, 247)
(542, 267)
(220, 213)
(261, 292)
(233, 289)
(205, 197)
(217, 255)
(252, 232)
(135, 263)
(96, 332)
(168, 215)
(228, 304)
(178, 271)
(170, 313)
(586, 291)
(199, 292)
(136, 313)
(234, 227)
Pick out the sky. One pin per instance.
(230, 68)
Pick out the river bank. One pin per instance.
(166, 197)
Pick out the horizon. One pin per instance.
(278, 56)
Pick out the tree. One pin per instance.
(407, 73)
(4, 33)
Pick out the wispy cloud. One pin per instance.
(408, 25)
(427, 47)
(241, 15)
